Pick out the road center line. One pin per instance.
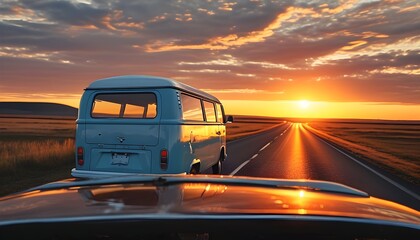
(242, 165)
(255, 155)
(266, 145)
(239, 168)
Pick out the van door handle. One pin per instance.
(218, 133)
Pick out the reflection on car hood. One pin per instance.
(163, 197)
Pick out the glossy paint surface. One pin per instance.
(201, 199)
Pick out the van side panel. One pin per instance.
(170, 135)
(81, 129)
(179, 156)
(193, 142)
(204, 142)
(222, 130)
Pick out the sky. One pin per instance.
(328, 59)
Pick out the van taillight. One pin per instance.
(80, 159)
(164, 159)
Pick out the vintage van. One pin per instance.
(144, 124)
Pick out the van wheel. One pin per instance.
(217, 168)
(195, 169)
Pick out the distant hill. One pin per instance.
(37, 109)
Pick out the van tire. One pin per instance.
(217, 168)
(195, 169)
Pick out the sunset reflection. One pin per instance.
(297, 167)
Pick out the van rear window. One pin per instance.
(124, 105)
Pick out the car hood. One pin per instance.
(167, 197)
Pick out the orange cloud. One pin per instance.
(292, 14)
(23, 12)
(394, 70)
(208, 12)
(241, 91)
(404, 45)
(183, 17)
(106, 21)
(353, 44)
(227, 6)
(339, 9)
(130, 25)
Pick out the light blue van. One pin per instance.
(144, 124)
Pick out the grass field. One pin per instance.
(245, 125)
(34, 151)
(392, 146)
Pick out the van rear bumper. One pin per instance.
(95, 174)
(98, 174)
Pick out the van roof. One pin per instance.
(139, 81)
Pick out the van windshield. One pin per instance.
(124, 105)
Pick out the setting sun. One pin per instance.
(303, 104)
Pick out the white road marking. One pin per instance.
(402, 188)
(240, 166)
(255, 155)
(266, 145)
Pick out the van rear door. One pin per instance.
(120, 126)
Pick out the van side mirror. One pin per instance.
(229, 119)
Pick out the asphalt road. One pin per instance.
(292, 152)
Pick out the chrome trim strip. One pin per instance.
(166, 216)
(96, 178)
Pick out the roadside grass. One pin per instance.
(239, 130)
(243, 126)
(393, 147)
(32, 154)
(34, 151)
(11, 128)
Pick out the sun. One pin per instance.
(304, 104)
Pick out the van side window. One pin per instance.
(219, 113)
(124, 105)
(191, 108)
(210, 113)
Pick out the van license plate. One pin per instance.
(120, 159)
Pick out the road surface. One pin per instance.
(290, 151)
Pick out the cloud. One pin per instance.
(399, 48)
(292, 14)
(71, 13)
(245, 91)
(325, 50)
(229, 60)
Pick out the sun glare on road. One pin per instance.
(304, 104)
